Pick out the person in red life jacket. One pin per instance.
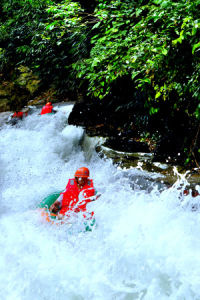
(78, 193)
(47, 109)
(18, 114)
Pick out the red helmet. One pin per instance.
(49, 103)
(82, 172)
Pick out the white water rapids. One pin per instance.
(146, 244)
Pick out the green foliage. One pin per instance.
(154, 42)
(45, 36)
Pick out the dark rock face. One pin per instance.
(97, 121)
(113, 118)
(124, 119)
(126, 145)
(86, 114)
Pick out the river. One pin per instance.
(146, 244)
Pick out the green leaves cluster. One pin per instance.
(155, 42)
(45, 36)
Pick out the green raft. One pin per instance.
(51, 198)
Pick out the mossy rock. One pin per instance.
(15, 93)
(27, 79)
(6, 89)
(4, 105)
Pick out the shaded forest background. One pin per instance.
(133, 68)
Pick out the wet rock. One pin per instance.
(27, 79)
(126, 144)
(4, 117)
(15, 92)
(87, 114)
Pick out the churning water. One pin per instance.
(146, 244)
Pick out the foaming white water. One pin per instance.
(146, 244)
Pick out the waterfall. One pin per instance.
(146, 243)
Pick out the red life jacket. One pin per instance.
(18, 114)
(74, 199)
(46, 109)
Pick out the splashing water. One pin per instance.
(146, 244)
